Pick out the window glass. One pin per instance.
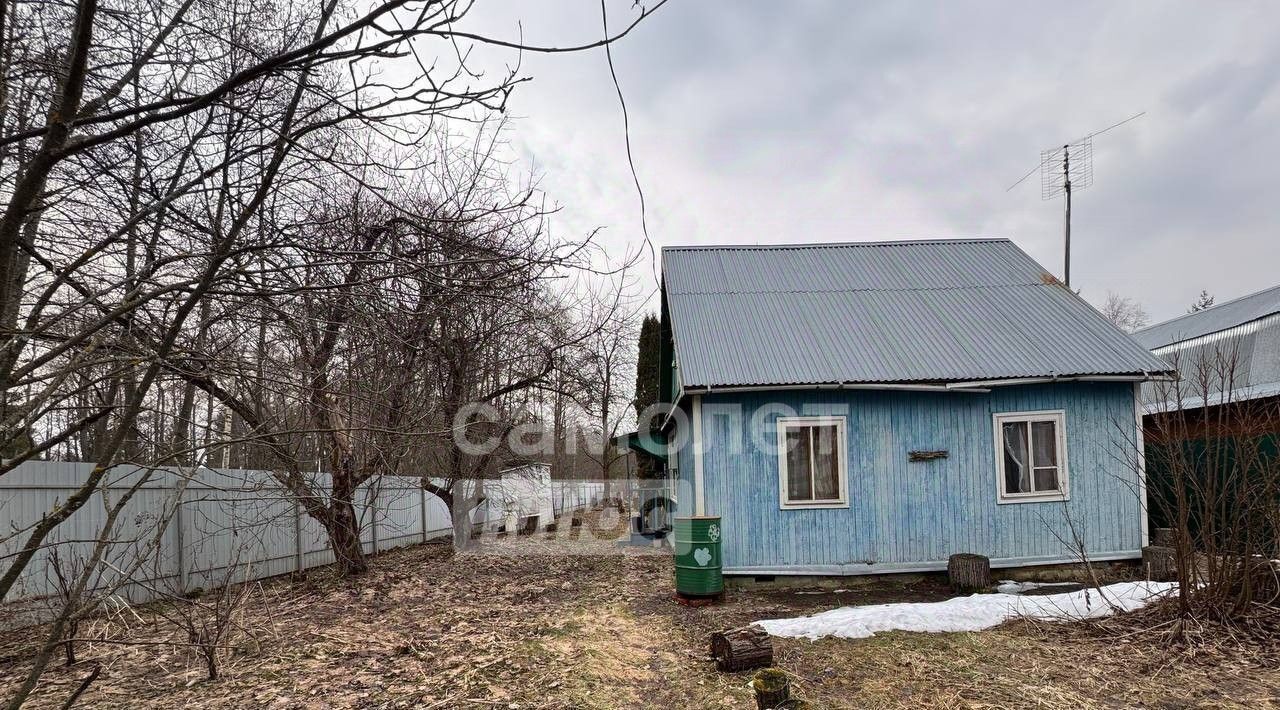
(1044, 444)
(812, 461)
(1017, 474)
(1045, 439)
(1030, 460)
(1046, 479)
(799, 486)
(826, 470)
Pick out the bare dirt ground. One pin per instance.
(521, 624)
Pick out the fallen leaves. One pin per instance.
(550, 621)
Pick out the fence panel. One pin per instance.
(223, 522)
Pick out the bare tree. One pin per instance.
(1126, 313)
(154, 159)
(210, 621)
(173, 264)
(1213, 472)
(607, 369)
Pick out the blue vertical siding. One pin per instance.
(908, 515)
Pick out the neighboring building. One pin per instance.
(1221, 416)
(935, 397)
(1230, 352)
(525, 494)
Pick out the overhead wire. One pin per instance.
(1039, 165)
(626, 129)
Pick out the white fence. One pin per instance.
(220, 520)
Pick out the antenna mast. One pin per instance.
(1066, 170)
(1066, 176)
(1063, 171)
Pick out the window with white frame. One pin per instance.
(812, 462)
(1031, 456)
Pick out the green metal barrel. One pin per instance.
(698, 566)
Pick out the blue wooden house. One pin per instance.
(876, 407)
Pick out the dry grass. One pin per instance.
(1017, 665)
(532, 629)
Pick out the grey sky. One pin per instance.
(770, 122)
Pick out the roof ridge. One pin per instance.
(1210, 309)
(822, 245)
(871, 290)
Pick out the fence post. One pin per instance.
(422, 510)
(179, 543)
(297, 535)
(372, 506)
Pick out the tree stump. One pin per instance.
(772, 688)
(1263, 578)
(969, 572)
(1162, 537)
(1160, 563)
(741, 649)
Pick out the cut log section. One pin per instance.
(741, 649)
(969, 572)
(1160, 563)
(772, 688)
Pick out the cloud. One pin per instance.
(764, 122)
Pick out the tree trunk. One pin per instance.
(460, 517)
(344, 538)
(343, 527)
(606, 450)
(460, 503)
(969, 572)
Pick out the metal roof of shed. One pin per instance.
(1211, 320)
(1232, 350)
(882, 312)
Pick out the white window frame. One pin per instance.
(842, 461)
(1059, 418)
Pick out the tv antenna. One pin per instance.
(1067, 169)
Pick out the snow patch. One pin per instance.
(972, 613)
(1010, 587)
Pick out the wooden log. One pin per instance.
(741, 649)
(772, 689)
(1160, 563)
(1162, 537)
(969, 572)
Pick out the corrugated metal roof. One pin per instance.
(1234, 364)
(1211, 320)
(882, 312)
